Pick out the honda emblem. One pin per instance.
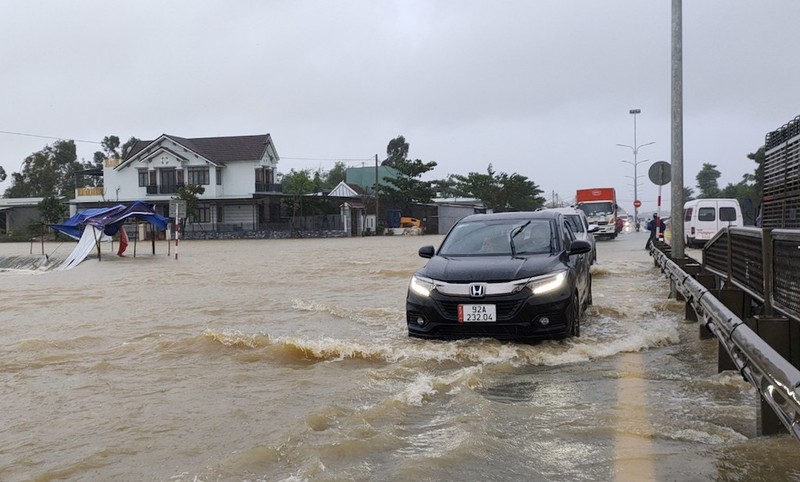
(477, 290)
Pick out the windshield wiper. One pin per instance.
(514, 232)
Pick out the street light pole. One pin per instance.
(635, 148)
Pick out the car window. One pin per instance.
(688, 215)
(727, 214)
(566, 234)
(574, 223)
(706, 214)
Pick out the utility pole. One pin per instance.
(678, 238)
(375, 192)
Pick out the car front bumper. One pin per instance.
(520, 316)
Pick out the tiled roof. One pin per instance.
(217, 149)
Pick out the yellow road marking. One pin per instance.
(633, 447)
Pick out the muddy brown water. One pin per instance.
(289, 360)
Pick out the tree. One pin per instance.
(49, 172)
(396, 151)
(191, 194)
(500, 192)
(2, 174)
(707, 181)
(126, 148)
(110, 146)
(52, 210)
(297, 184)
(748, 196)
(336, 175)
(406, 188)
(688, 193)
(758, 176)
(446, 187)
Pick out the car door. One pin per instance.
(578, 263)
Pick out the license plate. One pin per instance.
(473, 313)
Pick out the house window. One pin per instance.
(168, 181)
(219, 176)
(219, 213)
(198, 176)
(203, 214)
(143, 176)
(264, 177)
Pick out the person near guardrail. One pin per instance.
(655, 226)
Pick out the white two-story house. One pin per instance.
(238, 174)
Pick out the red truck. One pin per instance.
(600, 206)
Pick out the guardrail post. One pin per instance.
(709, 282)
(733, 299)
(766, 267)
(776, 332)
(690, 267)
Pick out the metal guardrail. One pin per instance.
(776, 379)
(765, 263)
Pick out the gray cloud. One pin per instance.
(538, 88)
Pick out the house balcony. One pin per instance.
(89, 192)
(263, 187)
(164, 189)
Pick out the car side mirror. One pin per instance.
(426, 252)
(579, 246)
(593, 228)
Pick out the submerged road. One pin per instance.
(289, 360)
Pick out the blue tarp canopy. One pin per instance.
(110, 219)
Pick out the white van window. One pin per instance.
(688, 215)
(706, 214)
(727, 214)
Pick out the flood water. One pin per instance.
(289, 360)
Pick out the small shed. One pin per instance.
(16, 214)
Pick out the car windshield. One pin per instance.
(493, 237)
(597, 209)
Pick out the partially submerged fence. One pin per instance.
(760, 328)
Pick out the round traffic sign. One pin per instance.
(660, 173)
(637, 204)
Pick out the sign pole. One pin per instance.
(659, 173)
(177, 227)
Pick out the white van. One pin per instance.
(702, 218)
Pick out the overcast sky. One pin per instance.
(540, 88)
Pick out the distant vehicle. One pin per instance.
(579, 225)
(408, 222)
(513, 276)
(619, 225)
(600, 206)
(624, 223)
(702, 218)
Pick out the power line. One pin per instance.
(334, 159)
(46, 137)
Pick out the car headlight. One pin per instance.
(421, 285)
(545, 284)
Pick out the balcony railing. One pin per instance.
(89, 191)
(162, 189)
(264, 187)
